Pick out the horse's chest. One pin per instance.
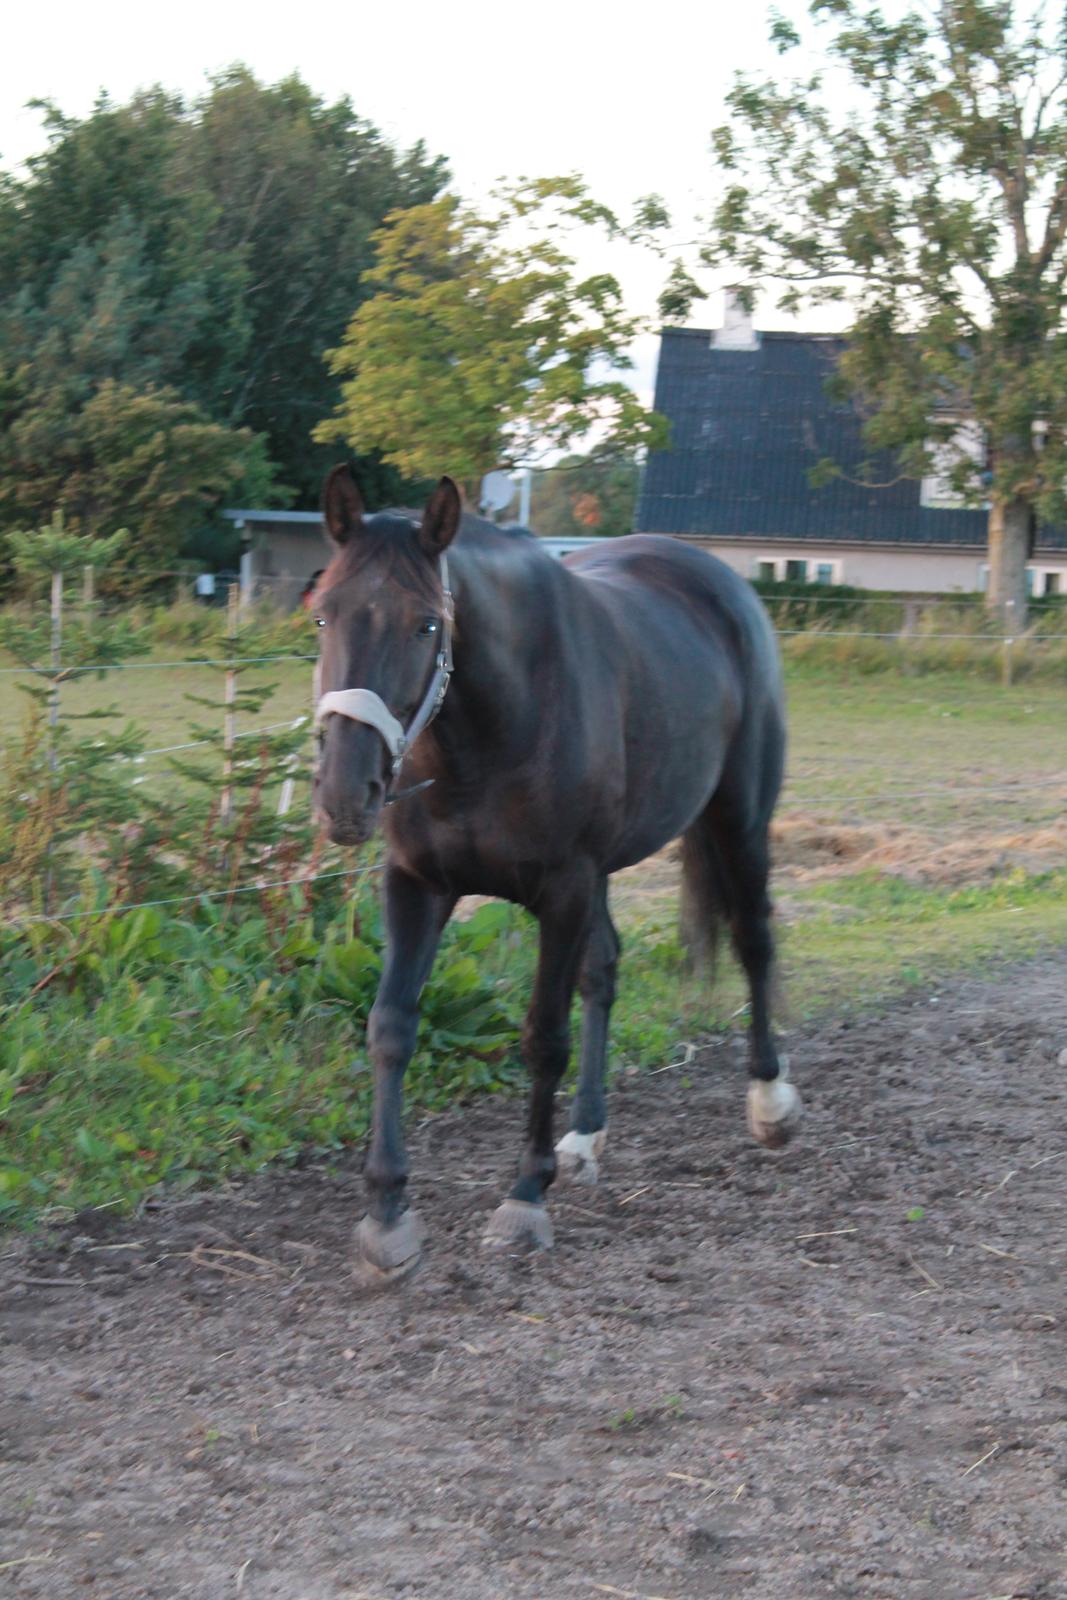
(496, 852)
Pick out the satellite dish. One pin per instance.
(497, 492)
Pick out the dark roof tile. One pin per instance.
(747, 427)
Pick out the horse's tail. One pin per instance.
(704, 905)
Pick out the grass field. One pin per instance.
(922, 832)
(856, 743)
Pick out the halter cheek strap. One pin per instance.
(363, 705)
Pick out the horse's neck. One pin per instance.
(499, 655)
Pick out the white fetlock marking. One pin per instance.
(579, 1154)
(776, 1101)
(773, 1110)
(583, 1146)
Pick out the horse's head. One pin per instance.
(381, 611)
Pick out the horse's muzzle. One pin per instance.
(349, 830)
(349, 786)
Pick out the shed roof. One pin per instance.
(267, 514)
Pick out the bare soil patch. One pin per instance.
(738, 1374)
(809, 849)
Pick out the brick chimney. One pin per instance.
(737, 331)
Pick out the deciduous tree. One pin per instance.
(581, 497)
(481, 345)
(920, 175)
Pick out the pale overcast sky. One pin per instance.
(625, 97)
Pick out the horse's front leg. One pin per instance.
(579, 1151)
(564, 914)
(389, 1239)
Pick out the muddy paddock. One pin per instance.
(837, 1371)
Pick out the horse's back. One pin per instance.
(651, 580)
(696, 678)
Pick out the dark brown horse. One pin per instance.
(597, 709)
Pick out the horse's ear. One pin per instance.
(440, 520)
(342, 508)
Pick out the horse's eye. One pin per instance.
(320, 622)
(429, 627)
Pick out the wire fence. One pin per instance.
(199, 744)
(259, 887)
(794, 795)
(94, 667)
(1019, 791)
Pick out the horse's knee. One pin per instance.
(546, 1050)
(597, 979)
(598, 987)
(391, 1034)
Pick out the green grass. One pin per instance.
(181, 1048)
(871, 936)
(155, 698)
(218, 1059)
(939, 751)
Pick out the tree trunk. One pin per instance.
(1009, 551)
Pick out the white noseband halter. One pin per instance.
(363, 705)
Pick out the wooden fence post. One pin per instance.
(1006, 662)
(233, 605)
(56, 660)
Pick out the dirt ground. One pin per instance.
(738, 1374)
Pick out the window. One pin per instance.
(765, 571)
(1040, 581)
(966, 448)
(826, 571)
(796, 572)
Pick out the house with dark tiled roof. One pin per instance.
(750, 415)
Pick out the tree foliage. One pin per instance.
(920, 175)
(481, 346)
(143, 458)
(579, 497)
(170, 276)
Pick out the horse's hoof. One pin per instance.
(386, 1253)
(774, 1108)
(578, 1155)
(518, 1225)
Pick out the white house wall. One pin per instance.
(860, 566)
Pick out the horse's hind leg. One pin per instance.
(738, 855)
(579, 1150)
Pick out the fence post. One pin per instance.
(1006, 662)
(288, 789)
(56, 660)
(233, 607)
